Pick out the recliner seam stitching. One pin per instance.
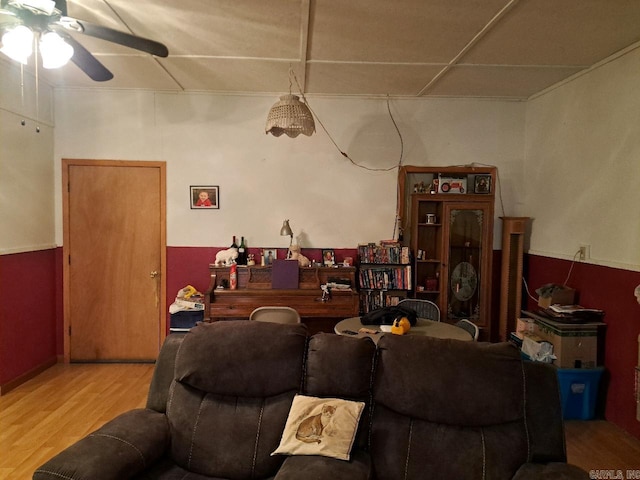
(484, 454)
(48, 472)
(255, 449)
(524, 407)
(144, 463)
(406, 465)
(193, 433)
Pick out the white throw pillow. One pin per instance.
(320, 426)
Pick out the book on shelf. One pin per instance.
(386, 278)
(383, 253)
(374, 300)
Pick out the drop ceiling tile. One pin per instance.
(248, 28)
(505, 82)
(552, 32)
(356, 47)
(409, 31)
(232, 75)
(368, 79)
(141, 72)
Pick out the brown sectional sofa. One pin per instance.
(435, 409)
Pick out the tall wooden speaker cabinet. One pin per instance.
(513, 232)
(446, 216)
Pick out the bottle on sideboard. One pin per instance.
(242, 253)
(233, 243)
(233, 277)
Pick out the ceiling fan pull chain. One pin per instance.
(37, 87)
(23, 122)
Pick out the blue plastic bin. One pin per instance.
(185, 320)
(579, 391)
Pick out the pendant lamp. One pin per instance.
(290, 116)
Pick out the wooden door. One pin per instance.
(114, 260)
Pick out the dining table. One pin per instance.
(353, 326)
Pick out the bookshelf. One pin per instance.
(384, 276)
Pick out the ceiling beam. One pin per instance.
(305, 19)
(472, 43)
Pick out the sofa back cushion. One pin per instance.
(233, 388)
(449, 409)
(341, 366)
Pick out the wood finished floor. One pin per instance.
(66, 402)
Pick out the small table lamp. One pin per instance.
(286, 230)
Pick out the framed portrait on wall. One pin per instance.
(328, 257)
(204, 197)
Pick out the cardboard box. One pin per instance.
(536, 348)
(524, 325)
(562, 296)
(574, 345)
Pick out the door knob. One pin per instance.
(154, 274)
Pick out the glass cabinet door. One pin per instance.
(467, 262)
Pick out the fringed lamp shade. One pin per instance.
(290, 116)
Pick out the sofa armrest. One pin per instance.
(550, 471)
(325, 468)
(120, 449)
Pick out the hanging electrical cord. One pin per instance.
(573, 262)
(345, 155)
(526, 287)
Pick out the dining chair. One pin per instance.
(275, 315)
(424, 308)
(469, 326)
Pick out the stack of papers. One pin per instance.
(572, 309)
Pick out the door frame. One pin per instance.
(70, 162)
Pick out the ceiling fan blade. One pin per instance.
(62, 6)
(122, 38)
(87, 62)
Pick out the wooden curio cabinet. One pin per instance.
(449, 229)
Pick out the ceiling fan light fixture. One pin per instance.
(17, 43)
(54, 50)
(290, 116)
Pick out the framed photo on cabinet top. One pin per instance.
(204, 197)
(328, 258)
(269, 255)
(482, 184)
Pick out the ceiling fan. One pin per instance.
(48, 19)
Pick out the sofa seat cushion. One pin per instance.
(326, 468)
(168, 470)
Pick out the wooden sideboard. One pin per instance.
(254, 290)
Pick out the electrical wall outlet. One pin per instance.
(585, 252)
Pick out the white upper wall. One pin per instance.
(578, 182)
(583, 166)
(220, 140)
(26, 167)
